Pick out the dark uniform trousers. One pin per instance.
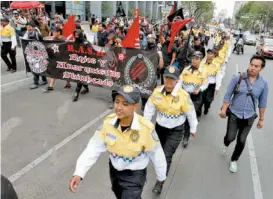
(5, 50)
(36, 78)
(79, 88)
(208, 97)
(127, 184)
(197, 102)
(169, 140)
(240, 128)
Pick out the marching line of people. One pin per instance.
(177, 103)
(131, 139)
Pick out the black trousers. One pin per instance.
(5, 51)
(169, 140)
(208, 97)
(36, 78)
(240, 128)
(197, 101)
(79, 88)
(127, 184)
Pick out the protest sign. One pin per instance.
(104, 67)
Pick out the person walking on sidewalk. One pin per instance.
(131, 141)
(244, 93)
(172, 111)
(8, 45)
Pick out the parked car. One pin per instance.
(250, 40)
(265, 48)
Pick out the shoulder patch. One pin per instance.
(155, 136)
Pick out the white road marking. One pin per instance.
(44, 156)
(14, 82)
(253, 164)
(254, 169)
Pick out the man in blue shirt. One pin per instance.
(244, 93)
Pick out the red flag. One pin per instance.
(69, 27)
(176, 26)
(131, 40)
(174, 8)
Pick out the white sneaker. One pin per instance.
(233, 166)
(224, 150)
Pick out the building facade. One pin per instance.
(102, 9)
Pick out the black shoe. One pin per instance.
(75, 97)
(185, 143)
(48, 90)
(12, 71)
(157, 188)
(85, 91)
(206, 111)
(68, 86)
(8, 69)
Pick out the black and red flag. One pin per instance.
(176, 26)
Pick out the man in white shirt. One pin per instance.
(19, 24)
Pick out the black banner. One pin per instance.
(89, 64)
(119, 10)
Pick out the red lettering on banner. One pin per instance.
(89, 50)
(70, 48)
(81, 49)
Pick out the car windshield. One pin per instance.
(268, 42)
(251, 37)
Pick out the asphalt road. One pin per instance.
(43, 135)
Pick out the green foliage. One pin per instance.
(104, 6)
(255, 12)
(201, 10)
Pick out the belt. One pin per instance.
(127, 171)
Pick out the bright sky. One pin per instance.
(225, 4)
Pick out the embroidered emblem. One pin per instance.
(128, 89)
(134, 136)
(176, 99)
(171, 69)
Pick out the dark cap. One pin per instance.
(211, 51)
(130, 93)
(216, 47)
(30, 23)
(57, 29)
(172, 71)
(197, 54)
(5, 19)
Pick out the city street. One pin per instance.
(43, 135)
